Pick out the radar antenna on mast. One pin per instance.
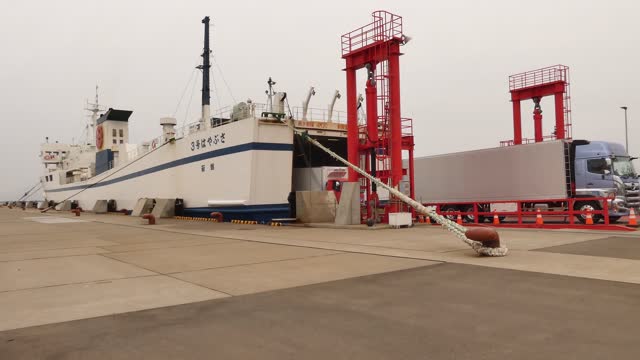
(94, 108)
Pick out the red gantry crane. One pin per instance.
(534, 85)
(377, 145)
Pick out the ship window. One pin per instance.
(114, 133)
(115, 141)
(121, 133)
(121, 141)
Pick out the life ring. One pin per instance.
(99, 137)
(154, 144)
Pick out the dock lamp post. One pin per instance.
(626, 136)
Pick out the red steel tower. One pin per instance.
(534, 85)
(377, 144)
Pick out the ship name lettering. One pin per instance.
(208, 142)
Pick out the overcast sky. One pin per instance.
(453, 74)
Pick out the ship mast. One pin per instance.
(206, 93)
(94, 108)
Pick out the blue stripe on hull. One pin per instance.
(191, 159)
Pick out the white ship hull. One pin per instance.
(241, 164)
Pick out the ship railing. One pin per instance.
(227, 114)
(315, 114)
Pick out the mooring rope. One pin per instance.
(458, 230)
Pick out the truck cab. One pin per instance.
(605, 169)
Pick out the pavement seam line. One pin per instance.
(51, 257)
(134, 265)
(162, 274)
(335, 252)
(226, 241)
(50, 249)
(378, 246)
(255, 263)
(200, 285)
(78, 283)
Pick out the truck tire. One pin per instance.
(451, 208)
(469, 218)
(587, 205)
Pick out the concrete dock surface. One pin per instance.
(111, 287)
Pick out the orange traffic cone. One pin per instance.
(539, 220)
(459, 219)
(589, 218)
(633, 222)
(420, 218)
(496, 220)
(427, 220)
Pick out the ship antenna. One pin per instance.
(270, 94)
(94, 109)
(206, 92)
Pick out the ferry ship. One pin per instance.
(238, 161)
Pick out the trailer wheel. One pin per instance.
(450, 208)
(587, 205)
(469, 218)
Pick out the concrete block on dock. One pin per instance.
(164, 208)
(64, 206)
(42, 205)
(143, 206)
(29, 204)
(316, 206)
(348, 211)
(100, 207)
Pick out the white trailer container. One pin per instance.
(537, 171)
